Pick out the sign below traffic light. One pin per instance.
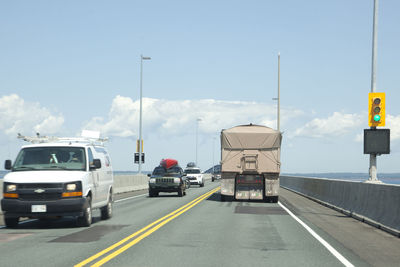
(377, 141)
(376, 109)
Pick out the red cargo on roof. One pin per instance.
(168, 163)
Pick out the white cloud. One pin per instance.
(337, 124)
(18, 116)
(393, 123)
(168, 117)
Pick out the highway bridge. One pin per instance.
(200, 230)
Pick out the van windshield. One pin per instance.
(171, 172)
(50, 158)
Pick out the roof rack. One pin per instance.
(38, 139)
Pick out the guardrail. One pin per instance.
(375, 204)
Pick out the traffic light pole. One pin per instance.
(372, 157)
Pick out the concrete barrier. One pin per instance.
(376, 204)
(127, 183)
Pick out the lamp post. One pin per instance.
(372, 157)
(213, 164)
(140, 116)
(279, 94)
(197, 133)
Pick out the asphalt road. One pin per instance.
(199, 230)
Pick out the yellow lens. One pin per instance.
(10, 195)
(72, 194)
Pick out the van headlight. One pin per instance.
(152, 180)
(11, 187)
(177, 180)
(73, 189)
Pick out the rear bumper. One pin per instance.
(60, 207)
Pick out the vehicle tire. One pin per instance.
(180, 192)
(86, 219)
(202, 184)
(106, 211)
(151, 193)
(212, 179)
(11, 222)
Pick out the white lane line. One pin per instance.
(128, 198)
(320, 239)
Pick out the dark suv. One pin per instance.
(167, 180)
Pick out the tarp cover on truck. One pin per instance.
(250, 148)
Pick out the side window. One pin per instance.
(90, 155)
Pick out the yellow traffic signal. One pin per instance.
(376, 104)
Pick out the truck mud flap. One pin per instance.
(249, 187)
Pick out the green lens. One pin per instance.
(377, 118)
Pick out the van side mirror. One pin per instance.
(149, 175)
(7, 164)
(96, 164)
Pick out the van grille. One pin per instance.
(39, 197)
(48, 191)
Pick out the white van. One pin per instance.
(55, 177)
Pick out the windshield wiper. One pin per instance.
(56, 167)
(23, 168)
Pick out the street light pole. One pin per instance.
(278, 119)
(197, 130)
(213, 148)
(140, 116)
(373, 157)
(279, 91)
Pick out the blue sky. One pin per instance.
(72, 65)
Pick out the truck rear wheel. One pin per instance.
(273, 199)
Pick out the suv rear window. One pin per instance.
(192, 171)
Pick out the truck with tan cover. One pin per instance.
(250, 163)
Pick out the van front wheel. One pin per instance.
(86, 219)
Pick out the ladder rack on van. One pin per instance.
(49, 139)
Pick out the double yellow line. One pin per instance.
(120, 246)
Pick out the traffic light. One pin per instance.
(376, 104)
